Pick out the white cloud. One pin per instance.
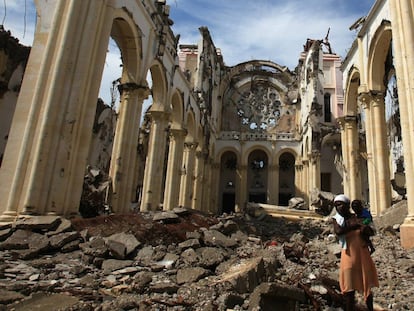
(264, 29)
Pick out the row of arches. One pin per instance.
(49, 141)
(252, 177)
(372, 140)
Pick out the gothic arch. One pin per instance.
(287, 187)
(248, 151)
(228, 184)
(126, 35)
(258, 162)
(351, 93)
(379, 171)
(190, 125)
(177, 110)
(159, 87)
(378, 51)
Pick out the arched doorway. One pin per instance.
(257, 176)
(228, 166)
(286, 178)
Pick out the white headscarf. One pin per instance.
(341, 198)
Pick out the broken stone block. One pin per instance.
(7, 297)
(116, 249)
(275, 296)
(189, 275)
(37, 223)
(129, 241)
(191, 243)
(166, 217)
(245, 276)
(59, 240)
(216, 238)
(210, 257)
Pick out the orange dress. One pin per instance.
(357, 269)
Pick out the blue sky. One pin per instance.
(273, 30)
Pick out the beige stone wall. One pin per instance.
(388, 27)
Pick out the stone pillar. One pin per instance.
(345, 154)
(172, 180)
(187, 178)
(365, 100)
(298, 179)
(380, 153)
(315, 170)
(402, 12)
(273, 184)
(305, 180)
(45, 158)
(154, 165)
(211, 197)
(350, 142)
(124, 153)
(198, 180)
(241, 187)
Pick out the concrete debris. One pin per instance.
(196, 262)
(96, 188)
(321, 201)
(297, 203)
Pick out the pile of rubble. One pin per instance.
(185, 260)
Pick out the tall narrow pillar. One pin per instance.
(305, 180)
(45, 158)
(210, 191)
(187, 178)
(352, 175)
(241, 187)
(154, 166)
(381, 153)
(345, 155)
(172, 180)
(124, 153)
(315, 170)
(299, 179)
(402, 12)
(273, 182)
(198, 180)
(365, 100)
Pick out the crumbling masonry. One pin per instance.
(215, 137)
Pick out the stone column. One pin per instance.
(187, 178)
(305, 180)
(124, 153)
(345, 154)
(45, 158)
(273, 184)
(211, 197)
(298, 179)
(365, 100)
(381, 153)
(315, 170)
(198, 180)
(241, 187)
(154, 165)
(402, 12)
(172, 180)
(350, 142)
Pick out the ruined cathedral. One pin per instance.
(215, 137)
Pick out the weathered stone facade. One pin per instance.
(215, 137)
(376, 128)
